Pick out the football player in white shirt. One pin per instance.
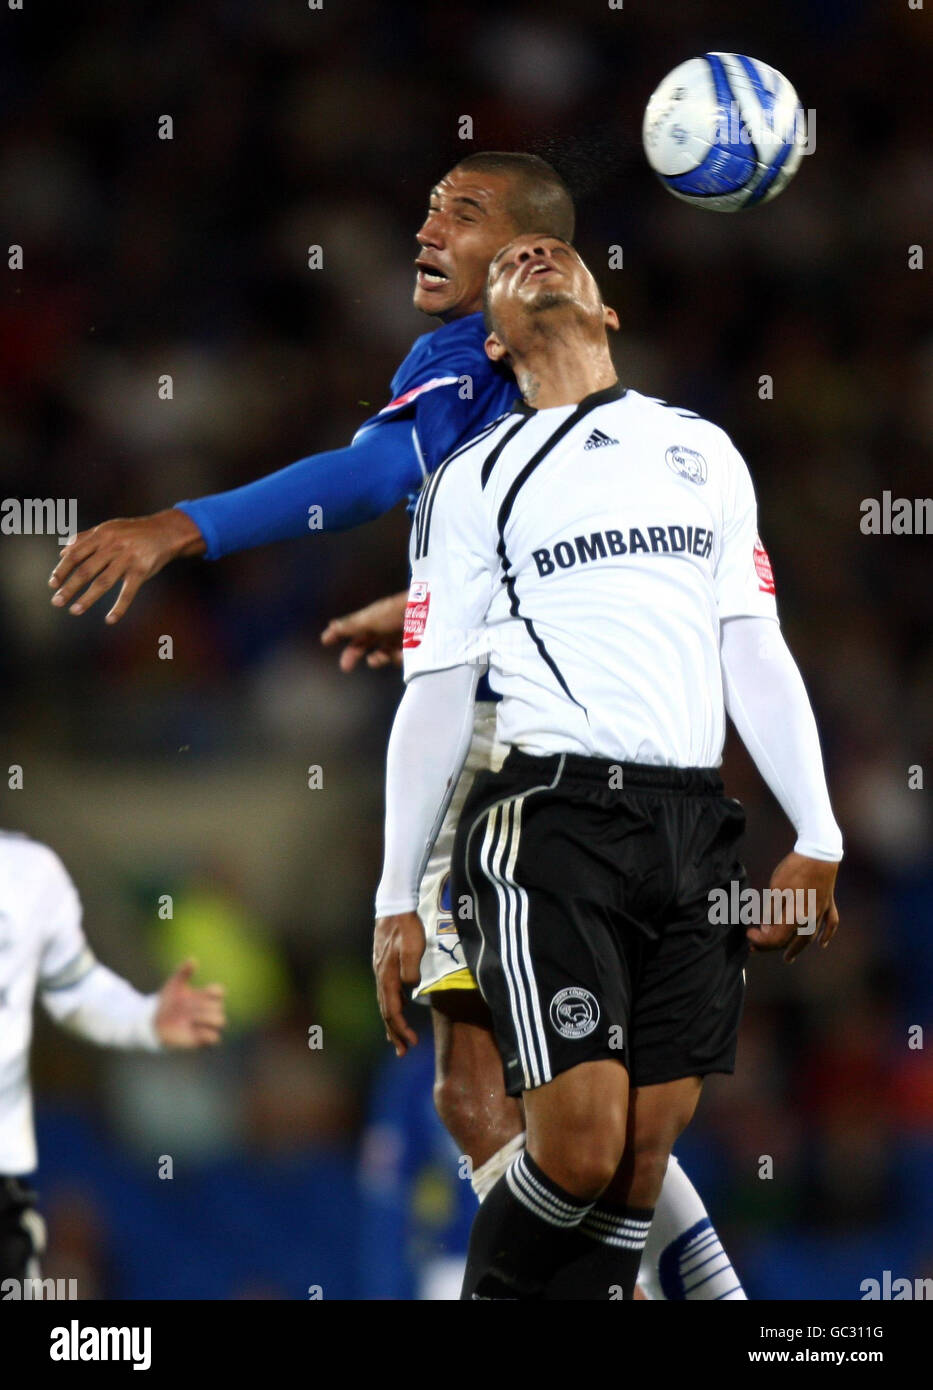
(43, 950)
(599, 551)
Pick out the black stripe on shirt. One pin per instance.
(591, 402)
(533, 634)
(493, 458)
(425, 503)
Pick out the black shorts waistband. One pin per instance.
(621, 776)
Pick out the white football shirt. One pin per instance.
(43, 949)
(589, 553)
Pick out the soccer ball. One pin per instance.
(724, 132)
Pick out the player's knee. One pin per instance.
(590, 1170)
(478, 1121)
(457, 1110)
(583, 1158)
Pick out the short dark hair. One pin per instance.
(538, 199)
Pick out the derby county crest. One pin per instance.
(687, 462)
(574, 1012)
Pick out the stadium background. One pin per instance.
(295, 127)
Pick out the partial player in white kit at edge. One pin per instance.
(583, 551)
(43, 950)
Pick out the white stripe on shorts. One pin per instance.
(515, 955)
(493, 846)
(494, 817)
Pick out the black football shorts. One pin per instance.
(583, 889)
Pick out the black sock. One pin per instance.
(607, 1250)
(521, 1235)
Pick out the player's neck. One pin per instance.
(562, 369)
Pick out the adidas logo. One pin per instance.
(598, 440)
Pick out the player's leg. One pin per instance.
(469, 1091)
(685, 1022)
(524, 1230)
(540, 946)
(470, 1096)
(621, 1217)
(488, 1126)
(684, 1258)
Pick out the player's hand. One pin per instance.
(398, 945)
(188, 1017)
(127, 551)
(797, 872)
(374, 632)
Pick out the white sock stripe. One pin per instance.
(529, 1198)
(702, 1239)
(705, 1271)
(618, 1244)
(610, 1232)
(517, 1181)
(616, 1219)
(714, 1274)
(570, 1208)
(618, 1223)
(610, 1228)
(620, 1230)
(700, 1256)
(603, 1237)
(717, 1254)
(624, 1231)
(562, 1223)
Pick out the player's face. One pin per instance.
(466, 224)
(533, 274)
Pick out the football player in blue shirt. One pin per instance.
(443, 394)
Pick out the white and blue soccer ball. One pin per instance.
(724, 132)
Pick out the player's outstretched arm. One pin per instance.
(91, 1000)
(374, 632)
(331, 491)
(127, 551)
(188, 1017)
(768, 703)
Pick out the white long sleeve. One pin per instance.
(767, 701)
(427, 749)
(104, 1008)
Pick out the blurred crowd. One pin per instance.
(295, 127)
